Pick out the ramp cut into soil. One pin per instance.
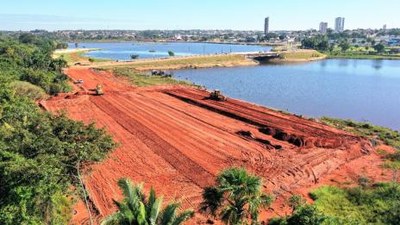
(177, 140)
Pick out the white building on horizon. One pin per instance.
(339, 24)
(323, 27)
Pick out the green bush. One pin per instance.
(360, 205)
(26, 89)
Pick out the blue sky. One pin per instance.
(195, 14)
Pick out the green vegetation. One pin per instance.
(355, 55)
(304, 215)
(366, 204)
(23, 88)
(144, 80)
(40, 153)
(236, 199)
(171, 53)
(138, 209)
(377, 204)
(345, 47)
(134, 56)
(301, 55)
(379, 48)
(386, 135)
(319, 43)
(77, 55)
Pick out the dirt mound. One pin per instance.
(177, 140)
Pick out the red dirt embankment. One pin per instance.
(177, 140)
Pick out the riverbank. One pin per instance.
(362, 56)
(191, 62)
(176, 63)
(298, 56)
(77, 55)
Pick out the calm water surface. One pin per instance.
(363, 90)
(123, 51)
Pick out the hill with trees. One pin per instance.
(40, 154)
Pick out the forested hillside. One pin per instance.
(40, 153)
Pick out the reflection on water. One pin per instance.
(343, 62)
(377, 64)
(324, 63)
(363, 90)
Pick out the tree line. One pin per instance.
(321, 43)
(40, 153)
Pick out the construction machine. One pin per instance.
(217, 96)
(99, 90)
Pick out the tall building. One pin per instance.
(323, 27)
(339, 24)
(266, 26)
(384, 27)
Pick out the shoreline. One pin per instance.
(74, 50)
(187, 62)
(364, 57)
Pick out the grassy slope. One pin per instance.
(363, 56)
(143, 80)
(361, 53)
(386, 135)
(370, 204)
(73, 57)
(302, 54)
(188, 62)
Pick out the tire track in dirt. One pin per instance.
(184, 165)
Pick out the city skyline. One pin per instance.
(180, 14)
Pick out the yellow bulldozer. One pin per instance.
(217, 96)
(99, 90)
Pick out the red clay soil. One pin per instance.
(177, 140)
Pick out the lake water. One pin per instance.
(124, 50)
(362, 90)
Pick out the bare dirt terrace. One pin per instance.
(175, 139)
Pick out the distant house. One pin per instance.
(394, 42)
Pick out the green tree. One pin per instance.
(171, 53)
(137, 209)
(344, 45)
(296, 201)
(237, 198)
(40, 153)
(306, 215)
(380, 48)
(134, 56)
(318, 43)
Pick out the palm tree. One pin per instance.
(137, 209)
(237, 198)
